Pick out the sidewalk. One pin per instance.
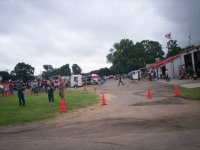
(182, 83)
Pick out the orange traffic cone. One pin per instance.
(176, 92)
(62, 107)
(103, 101)
(8, 93)
(149, 94)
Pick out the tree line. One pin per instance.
(63, 70)
(126, 56)
(26, 72)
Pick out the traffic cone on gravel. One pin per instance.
(149, 94)
(103, 101)
(62, 107)
(176, 92)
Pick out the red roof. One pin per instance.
(163, 62)
(160, 64)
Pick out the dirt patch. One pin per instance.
(168, 101)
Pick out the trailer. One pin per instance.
(136, 75)
(77, 78)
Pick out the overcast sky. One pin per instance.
(59, 32)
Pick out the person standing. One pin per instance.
(167, 75)
(11, 86)
(76, 84)
(50, 91)
(1, 89)
(6, 89)
(20, 92)
(120, 81)
(61, 87)
(152, 75)
(138, 75)
(35, 86)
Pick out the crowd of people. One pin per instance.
(6, 87)
(34, 87)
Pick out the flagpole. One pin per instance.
(190, 39)
(168, 36)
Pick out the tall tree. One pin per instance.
(110, 56)
(153, 51)
(48, 71)
(119, 55)
(5, 76)
(65, 70)
(136, 57)
(76, 69)
(173, 48)
(24, 71)
(48, 67)
(126, 56)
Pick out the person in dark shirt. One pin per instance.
(20, 92)
(50, 89)
(120, 81)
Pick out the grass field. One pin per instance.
(193, 93)
(37, 107)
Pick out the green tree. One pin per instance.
(4, 75)
(119, 55)
(48, 71)
(94, 72)
(126, 56)
(48, 67)
(65, 70)
(110, 56)
(24, 71)
(102, 72)
(76, 69)
(152, 51)
(56, 71)
(173, 48)
(136, 57)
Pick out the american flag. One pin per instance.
(168, 36)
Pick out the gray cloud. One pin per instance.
(57, 32)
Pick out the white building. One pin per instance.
(187, 59)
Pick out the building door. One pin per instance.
(163, 71)
(188, 62)
(197, 62)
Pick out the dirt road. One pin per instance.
(129, 121)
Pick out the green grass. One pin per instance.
(37, 107)
(193, 93)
